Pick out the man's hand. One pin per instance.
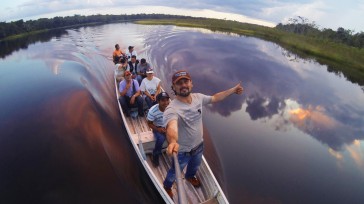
(132, 99)
(127, 86)
(161, 130)
(238, 89)
(172, 147)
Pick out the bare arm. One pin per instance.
(158, 89)
(172, 137)
(125, 90)
(155, 128)
(238, 89)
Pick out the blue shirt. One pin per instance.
(155, 115)
(130, 92)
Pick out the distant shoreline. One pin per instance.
(340, 58)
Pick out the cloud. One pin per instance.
(326, 13)
(282, 12)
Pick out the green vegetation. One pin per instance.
(340, 57)
(341, 50)
(15, 28)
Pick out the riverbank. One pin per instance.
(339, 58)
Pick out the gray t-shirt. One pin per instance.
(189, 119)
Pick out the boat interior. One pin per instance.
(207, 193)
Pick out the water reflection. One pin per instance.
(296, 124)
(271, 79)
(62, 138)
(285, 97)
(9, 46)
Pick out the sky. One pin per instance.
(325, 13)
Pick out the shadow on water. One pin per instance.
(62, 139)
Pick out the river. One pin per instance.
(294, 136)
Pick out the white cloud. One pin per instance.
(326, 13)
(285, 11)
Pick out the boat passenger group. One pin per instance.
(178, 121)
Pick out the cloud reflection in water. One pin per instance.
(271, 79)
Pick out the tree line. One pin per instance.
(303, 26)
(21, 26)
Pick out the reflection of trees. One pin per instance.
(350, 73)
(9, 46)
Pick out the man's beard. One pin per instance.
(184, 94)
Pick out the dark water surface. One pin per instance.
(294, 136)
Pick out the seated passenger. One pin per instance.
(133, 66)
(121, 67)
(130, 96)
(142, 68)
(130, 52)
(150, 87)
(117, 54)
(155, 122)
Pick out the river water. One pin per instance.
(294, 136)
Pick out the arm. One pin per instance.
(125, 90)
(238, 89)
(158, 89)
(147, 94)
(172, 136)
(155, 128)
(137, 93)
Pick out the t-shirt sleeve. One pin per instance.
(142, 85)
(150, 117)
(168, 115)
(205, 99)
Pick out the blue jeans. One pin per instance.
(149, 101)
(139, 78)
(191, 159)
(125, 104)
(159, 140)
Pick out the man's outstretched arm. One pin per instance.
(238, 89)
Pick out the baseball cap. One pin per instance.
(180, 75)
(127, 73)
(149, 71)
(162, 95)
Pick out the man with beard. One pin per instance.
(183, 122)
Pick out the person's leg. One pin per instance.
(171, 174)
(139, 79)
(194, 163)
(159, 140)
(139, 101)
(148, 101)
(124, 105)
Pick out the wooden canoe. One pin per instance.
(143, 142)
